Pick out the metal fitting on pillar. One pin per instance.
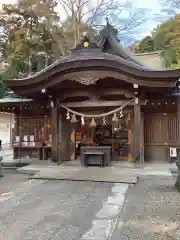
(136, 101)
(136, 86)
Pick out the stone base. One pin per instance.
(90, 174)
(13, 164)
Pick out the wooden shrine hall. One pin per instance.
(97, 96)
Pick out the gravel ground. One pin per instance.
(11, 180)
(151, 211)
(51, 210)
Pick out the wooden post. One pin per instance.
(142, 139)
(73, 143)
(177, 184)
(178, 118)
(178, 124)
(130, 136)
(16, 150)
(64, 133)
(137, 130)
(55, 135)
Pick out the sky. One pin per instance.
(6, 1)
(155, 8)
(151, 4)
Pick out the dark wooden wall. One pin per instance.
(39, 127)
(160, 133)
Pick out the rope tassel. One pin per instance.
(82, 120)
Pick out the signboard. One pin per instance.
(173, 152)
(17, 139)
(32, 138)
(25, 138)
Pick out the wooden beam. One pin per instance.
(95, 92)
(90, 103)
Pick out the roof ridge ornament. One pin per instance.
(85, 44)
(109, 29)
(107, 20)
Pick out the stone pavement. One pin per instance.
(96, 174)
(151, 211)
(124, 172)
(66, 210)
(42, 209)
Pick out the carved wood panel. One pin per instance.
(84, 77)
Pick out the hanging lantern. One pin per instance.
(73, 119)
(68, 115)
(104, 121)
(82, 120)
(92, 123)
(115, 118)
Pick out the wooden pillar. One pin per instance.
(64, 145)
(73, 142)
(178, 121)
(137, 130)
(130, 136)
(17, 120)
(16, 150)
(142, 139)
(177, 184)
(54, 149)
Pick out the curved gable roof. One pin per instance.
(95, 59)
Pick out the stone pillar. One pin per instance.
(137, 130)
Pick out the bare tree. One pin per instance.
(78, 16)
(169, 8)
